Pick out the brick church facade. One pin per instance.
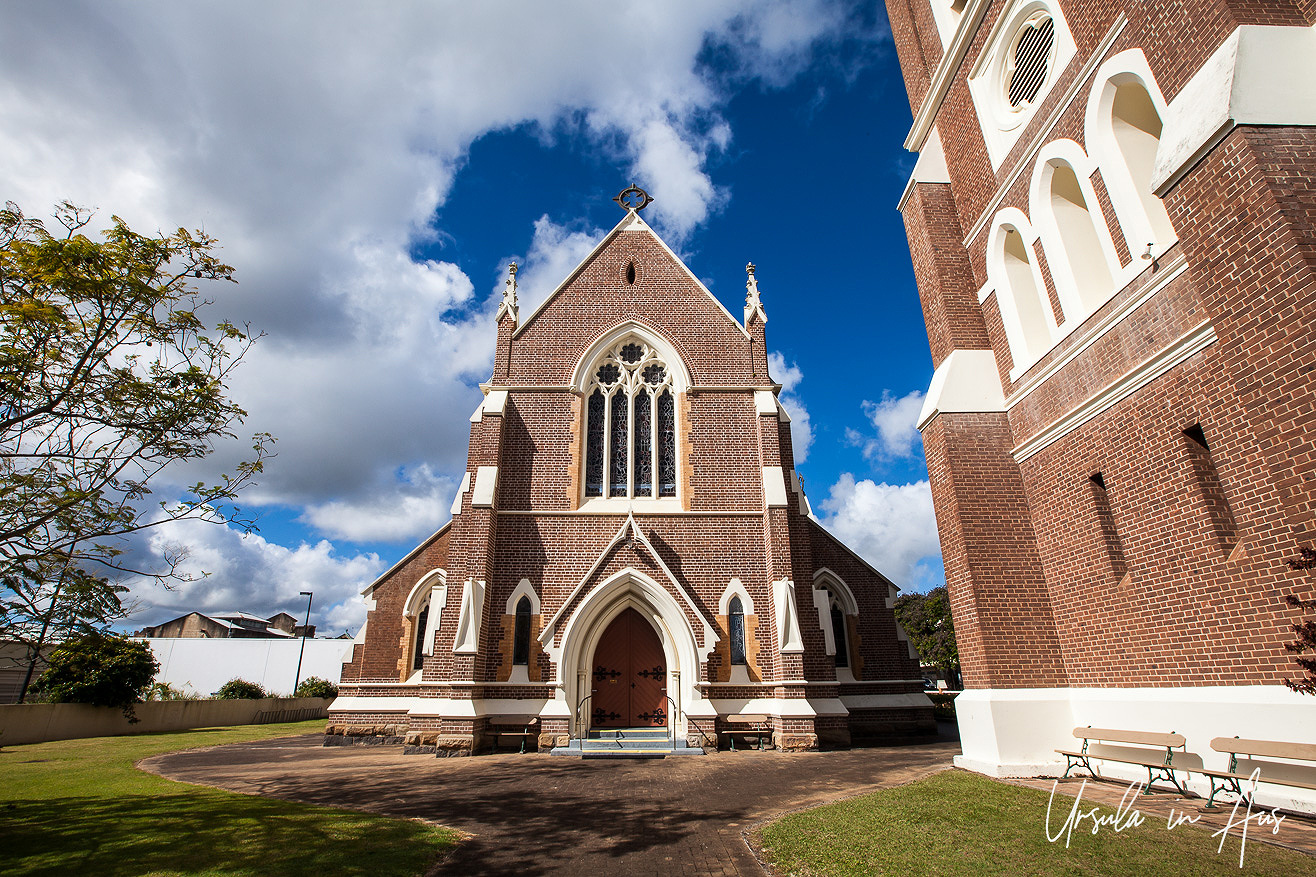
(631, 545)
(1112, 222)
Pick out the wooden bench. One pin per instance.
(1156, 752)
(1281, 773)
(748, 724)
(528, 725)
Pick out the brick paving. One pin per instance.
(540, 814)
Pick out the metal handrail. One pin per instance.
(672, 719)
(580, 733)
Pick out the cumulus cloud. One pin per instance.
(789, 376)
(249, 574)
(317, 143)
(409, 506)
(896, 421)
(555, 250)
(892, 526)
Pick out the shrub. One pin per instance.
(314, 686)
(943, 704)
(240, 689)
(102, 670)
(165, 691)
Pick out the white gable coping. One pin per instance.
(461, 491)
(1260, 75)
(486, 482)
(404, 561)
(631, 222)
(774, 486)
(468, 623)
(966, 382)
(788, 625)
(631, 528)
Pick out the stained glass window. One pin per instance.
(643, 444)
(838, 634)
(736, 612)
(666, 444)
(594, 445)
(630, 424)
(422, 622)
(521, 638)
(617, 472)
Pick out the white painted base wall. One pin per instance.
(200, 666)
(1015, 732)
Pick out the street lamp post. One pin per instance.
(298, 681)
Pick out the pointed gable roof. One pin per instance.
(631, 222)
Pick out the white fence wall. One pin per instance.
(200, 666)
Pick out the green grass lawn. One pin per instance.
(80, 807)
(957, 822)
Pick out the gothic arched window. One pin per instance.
(630, 430)
(521, 636)
(736, 620)
(422, 622)
(838, 634)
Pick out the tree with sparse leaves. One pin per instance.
(927, 621)
(108, 374)
(1306, 630)
(100, 670)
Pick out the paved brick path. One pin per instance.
(539, 814)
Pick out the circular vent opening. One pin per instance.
(1031, 61)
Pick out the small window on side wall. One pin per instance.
(422, 624)
(521, 637)
(736, 621)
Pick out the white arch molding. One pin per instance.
(1072, 228)
(1031, 328)
(431, 589)
(631, 589)
(580, 376)
(1128, 167)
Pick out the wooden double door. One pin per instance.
(629, 676)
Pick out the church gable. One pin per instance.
(632, 277)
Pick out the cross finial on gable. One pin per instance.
(753, 305)
(633, 198)
(509, 296)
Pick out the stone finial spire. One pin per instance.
(753, 305)
(509, 305)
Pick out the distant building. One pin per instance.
(228, 625)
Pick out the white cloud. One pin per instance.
(896, 422)
(554, 251)
(789, 376)
(249, 574)
(317, 143)
(410, 506)
(892, 526)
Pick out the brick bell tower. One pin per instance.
(1112, 225)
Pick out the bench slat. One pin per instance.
(1144, 738)
(1265, 748)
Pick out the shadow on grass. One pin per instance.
(208, 832)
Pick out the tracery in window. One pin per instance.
(631, 425)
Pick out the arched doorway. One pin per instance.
(629, 676)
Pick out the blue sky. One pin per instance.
(370, 180)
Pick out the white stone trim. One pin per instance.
(1098, 330)
(789, 639)
(486, 484)
(735, 589)
(966, 382)
(494, 402)
(1001, 124)
(1190, 343)
(582, 374)
(774, 487)
(1014, 732)
(461, 492)
(765, 402)
(941, 79)
(467, 641)
(903, 636)
(1099, 136)
(1259, 75)
(523, 589)
(1023, 351)
(909, 700)
(783, 707)
(930, 167)
(1025, 159)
